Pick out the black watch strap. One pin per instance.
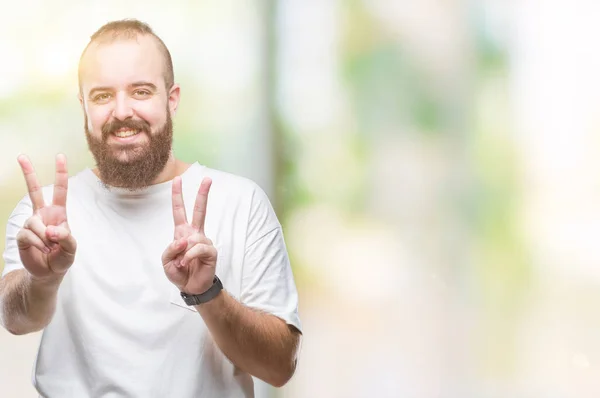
(211, 293)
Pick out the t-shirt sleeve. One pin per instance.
(12, 259)
(267, 278)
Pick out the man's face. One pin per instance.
(127, 110)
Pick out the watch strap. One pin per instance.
(211, 293)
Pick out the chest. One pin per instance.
(120, 249)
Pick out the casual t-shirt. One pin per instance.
(121, 329)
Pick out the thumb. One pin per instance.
(174, 249)
(63, 237)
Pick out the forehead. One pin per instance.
(118, 63)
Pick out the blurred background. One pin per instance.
(434, 163)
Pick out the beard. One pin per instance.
(131, 166)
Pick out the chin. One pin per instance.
(129, 155)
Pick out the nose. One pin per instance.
(123, 109)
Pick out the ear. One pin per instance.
(82, 103)
(173, 99)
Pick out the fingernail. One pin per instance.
(46, 250)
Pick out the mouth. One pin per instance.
(126, 133)
(128, 136)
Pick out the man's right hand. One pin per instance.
(46, 246)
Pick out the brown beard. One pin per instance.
(143, 163)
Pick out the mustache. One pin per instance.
(130, 124)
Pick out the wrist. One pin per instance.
(204, 297)
(197, 290)
(50, 282)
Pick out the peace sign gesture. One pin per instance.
(46, 246)
(189, 262)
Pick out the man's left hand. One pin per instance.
(189, 262)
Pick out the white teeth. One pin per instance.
(126, 133)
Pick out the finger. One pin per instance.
(33, 186)
(26, 239)
(174, 250)
(199, 251)
(194, 239)
(61, 182)
(179, 216)
(36, 225)
(63, 237)
(200, 205)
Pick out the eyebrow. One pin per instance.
(151, 86)
(143, 84)
(98, 89)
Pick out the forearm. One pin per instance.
(257, 343)
(27, 304)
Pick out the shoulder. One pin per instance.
(225, 184)
(232, 181)
(234, 193)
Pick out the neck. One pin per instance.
(173, 168)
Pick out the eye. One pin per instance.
(141, 93)
(102, 97)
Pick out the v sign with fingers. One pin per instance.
(189, 262)
(45, 243)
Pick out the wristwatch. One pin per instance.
(211, 293)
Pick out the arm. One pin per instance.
(258, 343)
(27, 303)
(45, 249)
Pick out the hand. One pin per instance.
(46, 246)
(189, 262)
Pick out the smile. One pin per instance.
(126, 133)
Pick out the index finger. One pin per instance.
(33, 186)
(179, 216)
(61, 182)
(200, 205)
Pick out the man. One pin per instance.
(116, 266)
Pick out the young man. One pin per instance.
(118, 270)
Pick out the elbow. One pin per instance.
(287, 367)
(280, 382)
(20, 330)
(283, 376)
(13, 329)
(16, 328)
(10, 327)
(16, 331)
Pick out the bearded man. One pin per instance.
(144, 287)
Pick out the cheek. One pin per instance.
(154, 114)
(96, 118)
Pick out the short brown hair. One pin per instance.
(125, 29)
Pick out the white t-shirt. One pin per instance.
(121, 328)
